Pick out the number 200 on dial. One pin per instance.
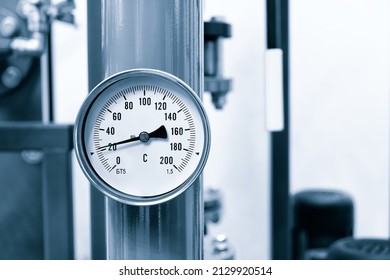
(142, 136)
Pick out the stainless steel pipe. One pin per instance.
(165, 35)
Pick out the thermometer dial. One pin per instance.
(142, 137)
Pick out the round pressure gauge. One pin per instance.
(142, 137)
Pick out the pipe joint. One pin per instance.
(33, 46)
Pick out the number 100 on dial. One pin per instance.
(142, 136)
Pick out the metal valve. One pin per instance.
(39, 15)
(23, 37)
(212, 206)
(214, 82)
(219, 248)
(63, 11)
(216, 247)
(13, 68)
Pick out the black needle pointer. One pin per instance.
(144, 137)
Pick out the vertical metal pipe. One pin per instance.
(165, 35)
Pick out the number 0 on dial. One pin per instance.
(142, 136)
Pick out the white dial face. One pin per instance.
(145, 136)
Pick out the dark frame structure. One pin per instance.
(278, 37)
(55, 142)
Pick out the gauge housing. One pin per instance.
(154, 95)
